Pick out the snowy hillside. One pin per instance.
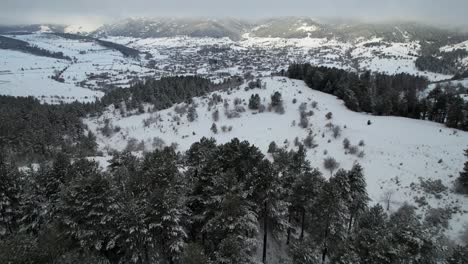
(400, 156)
(93, 66)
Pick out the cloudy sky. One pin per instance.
(441, 12)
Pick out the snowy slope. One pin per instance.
(26, 75)
(398, 151)
(23, 74)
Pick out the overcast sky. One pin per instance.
(448, 12)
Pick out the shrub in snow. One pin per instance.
(239, 109)
(353, 150)
(215, 115)
(303, 107)
(361, 143)
(276, 99)
(279, 109)
(272, 147)
(297, 143)
(276, 103)
(346, 143)
(294, 101)
(134, 145)
(237, 101)
(330, 164)
(158, 143)
(329, 115)
(214, 128)
(226, 129)
(174, 145)
(181, 109)
(314, 104)
(192, 114)
(304, 121)
(232, 114)
(438, 217)
(261, 108)
(309, 141)
(153, 119)
(329, 125)
(336, 131)
(361, 154)
(435, 187)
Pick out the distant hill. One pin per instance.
(27, 29)
(165, 27)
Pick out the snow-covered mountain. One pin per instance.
(171, 27)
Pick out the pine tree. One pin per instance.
(272, 147)
(463, 179)
(459, 256)
(455, 114)
(332, 214)
(410, 241)
(10, 195)
(160, 193)
(88, 212)
(214, 128)
(306, 191)
(232, 229)
(358, 192)
(254, 102)
(372, 241)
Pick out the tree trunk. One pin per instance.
(265, 231)
(350, 224)
(289, 228)
(302, 224)
(324, 253)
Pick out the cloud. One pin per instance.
(447, 12)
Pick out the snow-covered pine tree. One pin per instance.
(332, 213)
(231, 229)
(10, 195)
(306, 191)
(162, 196)
(358, 192)
(88, 212)
(463, 179)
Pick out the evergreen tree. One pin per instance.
(463, 179)
(10, 195)
(358, 193)
(160, 193)
(455, 115)
(88, 212)
(254, 102)
(306, 191)
(459, 256)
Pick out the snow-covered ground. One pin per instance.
(398, 151)
(22, 74)
(96, 67)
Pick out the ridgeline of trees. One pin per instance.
(165, 92)
(126, 51)
(442, 62)
(382, 94)
(31, 131)
(208, 205)
(23, 46)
